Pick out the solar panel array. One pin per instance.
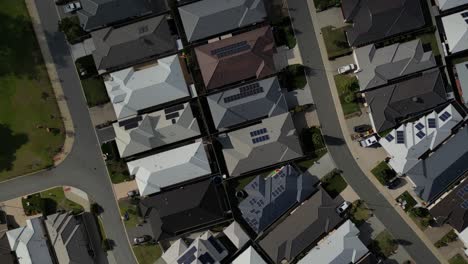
(444, 116)
(464, 14)
(172, 115)
(389, 137)
(420, 134)
(400, 137)
(131, 122)
(231, 49)
(216, 245)
(206, 259)
(260, 139)
(461, 193)
(188, 257)
(258, 132)
(245, 91)
(419, 126)
(173, 109)
(431, 122)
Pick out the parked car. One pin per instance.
(72, 7)
(141, 239)
(133, 193)
(343, 207)
(362, 128)
(347, 68)
(394, 183)
(369, 141)
(62, 2)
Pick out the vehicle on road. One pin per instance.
(362, 128)
(72, 7)
(343, 207)
(347, 68)
(141, 239)
(394, 183)
(133, 193)
(368, 141)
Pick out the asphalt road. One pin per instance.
(335, 141)
(84, 167)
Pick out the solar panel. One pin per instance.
(206, 258)
(431, 122)
(131, 125)
(444, 116)
(231, 49)
(420, 134)
(461, 193)
(464, 205)
(419, 126)
(130, 120)
(245, 91)
(173, 109)
(400, 137)
(464, 15)
(258, 132)
(215, 244)
(173, 115)
(260, 139)
(389, 137)
(188, 257)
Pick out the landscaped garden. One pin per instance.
(93, 84)
(116, 166)
(383, 173)
(347, 87)
(359, 213)
(421, 217)
(49, 202)
(147, 253)
(129, 212)
(407, 200)
(31, 128)
(336, 42)
(314, 146)
(71, 27)
(458, 259)
(333, 183)
(384, 244)
(448, 238)
(293, 77)
(284, 33)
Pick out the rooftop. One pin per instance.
(244, 103)
(236, 235)
(406, 144)
(212, 17)
(272, 141)
(134, 89)
(269, 198)
(127, 45)
(245, 56)
(249, 256)
(462, 73)
(448, 4)
(391, 104)
(167, 168)
(456, 31)
(380, 65)
(375, 20)
(156, 129)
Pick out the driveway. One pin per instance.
(331, 128)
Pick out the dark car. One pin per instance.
(393, 184)
(141, 239)
(362, 128)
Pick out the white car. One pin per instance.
(343, 207)
(347, 68)
(369, 141)
(71, 7)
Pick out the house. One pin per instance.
(236, 235)
(375, 20)
(171, 167)
(455, 27)
(212, 17)
(134, 89)
(6, 256)
(407, 143)
(95, 14)
(433, 175)
(156, 129)
(272, 141)
(176, 212)
(241, 57)
(445, 5)
(69, 238)
(304, 227)
(462, 81)
(248, 102)
(378, 66)
(270, 197)
(204, 249)
(392, 104)
(30, 243)
(124, 46)
(249, 256)
(342, 246)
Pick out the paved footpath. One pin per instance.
(334, 128)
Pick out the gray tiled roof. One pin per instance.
(316, 217)
(156, 129)
(375, 20)
(234, 106)
(433, 175)
(378, 66)
(448, 4)
(390, 104)
(98, 13)
(211, 17)
(269, 198)
(130, 44)
(242, 154)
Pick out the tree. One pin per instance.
(70, 26)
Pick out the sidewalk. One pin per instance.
(347, 138)
(55, 81)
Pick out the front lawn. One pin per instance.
(116, 166)
(147, 253)
(312, 139)
(284, 33)
(129, 210)
(333, 183)
(321, 5)
(335, 42)
(293, 77)
(421, 217)
(383, 173)
(70, 26)
(408, 199)
(95, 91)
(384, 244)
(31, 129)
(347, 87)
(306, 164)
(458, 259)
(49, 202)
(448, 238)
(359, 212)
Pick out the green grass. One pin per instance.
(429, 38)
(448, 238)
(293, 77)
(306, 164)
(359, 212)
(102, 231)
(347, 87)
(284, 33)
(458, 259)
(148, 253)
(335, 41)
(95, 91)
(117, 168)
(384, 244)
(421, 217)
(49, 202)
(312, 139)
(321, 5)
(410, 201)
(383, 173)
(27, 102)
(86, 65)
(333, 183)
(58, 196)
(125, 205)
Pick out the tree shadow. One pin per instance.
(50, 206)
(10, 144)
(333, 141)
(403, 242)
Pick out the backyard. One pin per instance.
(30, 123)
(383, 173)
(347, 87)
(335, 42)
(49, 202)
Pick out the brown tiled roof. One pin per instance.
(255, 61)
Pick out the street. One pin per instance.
(336, 144)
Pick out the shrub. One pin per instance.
(350, 97)
(70, 26)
